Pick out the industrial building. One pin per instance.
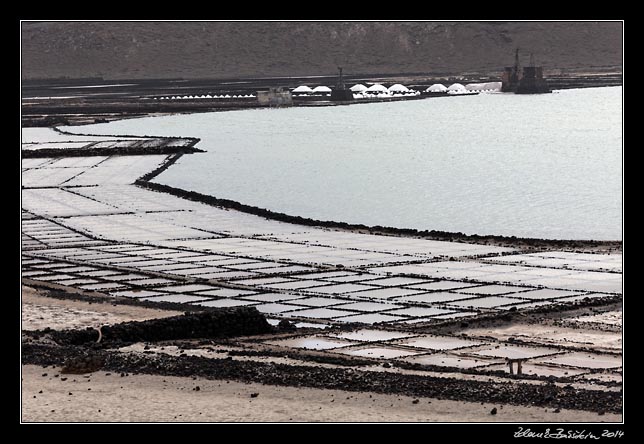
(275, 97)
(527, 81)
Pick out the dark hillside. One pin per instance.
(115, 50)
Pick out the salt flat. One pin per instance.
(85, 200)
(87, 226)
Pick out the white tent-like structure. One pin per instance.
(358, 88)
(398, 88)
(377, 87)
(456, 88)
(303, 89)
(436, 88)
(321, 89)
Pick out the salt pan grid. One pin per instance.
(430, 298)
(124, 277)
(546, 293)
(385, 293)
(438, 342)
(50, 234)
(575, 261)
(320, 302)
(397, 281)
(456, 314)
(514, 274)
(177, 298)
(117, 170)
(58, 202)
(224, 292)
(387, 316)
(341, 288)
(137, 293)
(449, 360)
(223, 303)
(393, 245)
(377, 352)
(490, 290)
(49, 177)
(46, 135)
(277, 308)
(527, 305)
(76, 281)
(273, 297)
(186, 288)
(541, 370)
(129, 198)
(357, 278)
(216, 238)
(485, 302)
(420, 311)
(369, 318)
(329, 275)
(103, 286)
(585, 360)
(52, 145)
(369, 306)
(35, 163)
(298, 284)
(321, 313)
(228, 275)
(147, 282)
(369, 335)
(76, 162)
(516, 352)
(312, 343)
(131, 228)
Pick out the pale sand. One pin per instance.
(39, 312)
(146, 398)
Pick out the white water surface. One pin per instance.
(544, 166)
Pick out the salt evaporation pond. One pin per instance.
(545, 166)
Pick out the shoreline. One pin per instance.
(145, 181)
(497, 240)
(44, 106)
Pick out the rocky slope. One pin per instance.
(259, 49)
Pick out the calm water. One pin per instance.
(547, 166)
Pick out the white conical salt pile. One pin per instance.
(303, 89)
(398, 88)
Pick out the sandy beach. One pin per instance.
(40, 312)
(102, 397)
